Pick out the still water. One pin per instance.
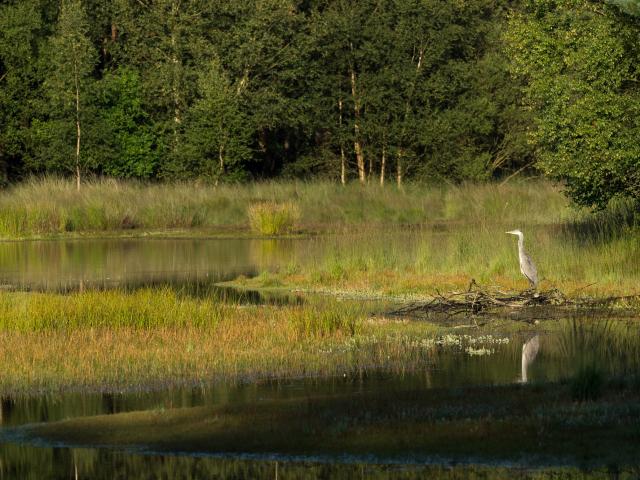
(194, 266)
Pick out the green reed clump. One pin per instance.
(325, 320)
(587, 384)
(273, 218)
(142, 309)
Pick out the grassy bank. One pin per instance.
(109, 341)
(46, 207)
(596, 262)
(114, 341)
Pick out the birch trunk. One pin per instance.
(406, 115)
(221, 164)
(175, 75)
(383, 163)
(78, 131)
(399, 169)
(343, 160)
(357, 145)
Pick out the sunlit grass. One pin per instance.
(423, 263)
(51, 206)
(593, 255)
(272, 218)
(113, 340)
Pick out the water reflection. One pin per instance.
(103, 464)
(529, 354)
(599, 339)
(108, 263)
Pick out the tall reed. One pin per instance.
(46, 206)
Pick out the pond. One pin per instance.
(462, 359)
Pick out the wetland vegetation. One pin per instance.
(215, 214)
(120, 318)
(53, 207)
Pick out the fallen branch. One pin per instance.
(477, 300)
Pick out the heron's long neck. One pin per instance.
(520, 244)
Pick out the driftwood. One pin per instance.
(478, 300)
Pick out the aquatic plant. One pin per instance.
(272, 218)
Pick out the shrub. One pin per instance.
(273, 218)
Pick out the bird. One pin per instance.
(529, 353)
(527, 267)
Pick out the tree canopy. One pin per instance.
(366, 90)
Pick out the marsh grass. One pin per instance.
(582, 255)
(109, 341)
(50, 206)
(272, 218)
(423, 263)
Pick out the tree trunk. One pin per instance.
(78, 131)
(406, 116)
(357, 145)
(343, 160)
(399, 169)
(175, 74)
(221, 164)
(383, 162)
(262, 140)
(343, 167)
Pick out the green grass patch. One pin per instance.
(52, 206)
(272, 218)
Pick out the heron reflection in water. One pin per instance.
(529, 353)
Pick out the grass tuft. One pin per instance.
(273, 218)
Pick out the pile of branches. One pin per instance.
(477, 300)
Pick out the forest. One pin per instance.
(364, 91)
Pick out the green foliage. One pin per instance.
(273, 218)
(67, 101)
(217, 133)
(579, 60)
(227, 91)
(128, 138)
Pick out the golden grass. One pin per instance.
(116, 340)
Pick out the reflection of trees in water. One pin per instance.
(102, 464)
(529, 353)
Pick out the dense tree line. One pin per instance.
(373, 90)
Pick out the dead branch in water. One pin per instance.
(478, 300)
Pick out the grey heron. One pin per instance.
(527, 267)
